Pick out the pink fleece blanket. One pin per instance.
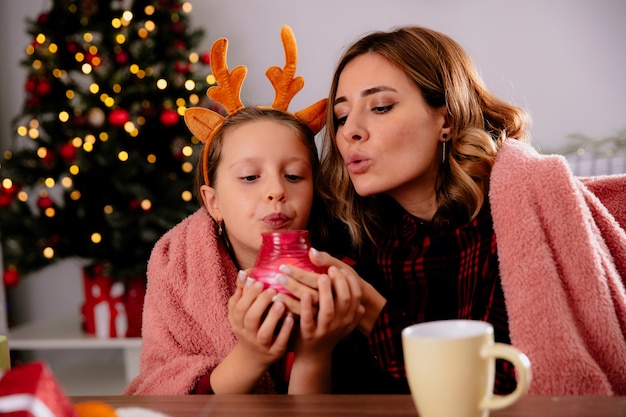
(562, 251)
(185, 331)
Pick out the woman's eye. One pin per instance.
(341, 120)
(250, 178)
(382, 109)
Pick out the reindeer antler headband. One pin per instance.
(205, 123)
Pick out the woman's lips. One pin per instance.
(358, 165)
(276, 220)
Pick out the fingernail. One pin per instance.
(315, 253)
(241, 276)
(332, 269)
(258, 284)
(282, 279)
(285, 269)
(277, 299)
(249, 282)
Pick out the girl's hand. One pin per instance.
(262, 326)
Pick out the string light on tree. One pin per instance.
(100, 153)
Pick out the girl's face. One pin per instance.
(264, 184)
(387, 135)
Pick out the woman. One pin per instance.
(435, 180)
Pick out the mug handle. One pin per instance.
(522, 368)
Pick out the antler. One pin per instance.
(228, 90)
(284, 81)
(204, 122)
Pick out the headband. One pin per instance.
(205, 123)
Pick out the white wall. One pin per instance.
(564, 60)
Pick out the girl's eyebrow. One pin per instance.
(367, 92)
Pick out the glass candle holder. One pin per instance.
(278, 248)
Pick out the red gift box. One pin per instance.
(32, 391)
(112, 308)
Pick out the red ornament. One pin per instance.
(42, 19)
(49, 159)
(44, 202)
(67, 152)
(121, 57)
(5, 200)
(205, 58)
(72, 47)
(12, 190)
(180, 45)
(169, 117)
(43, 88)
(10, 277)
(30, 84)
(118, 117)
(93, 59)
(177, 28)
(182, 67)
(134, 204)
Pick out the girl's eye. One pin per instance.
(250, 178)
(293, 177)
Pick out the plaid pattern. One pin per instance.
(429, 274)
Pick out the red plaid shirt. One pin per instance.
(429, 274)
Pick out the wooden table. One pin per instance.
(349, 406)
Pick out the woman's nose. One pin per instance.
(353, 129)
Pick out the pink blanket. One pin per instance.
(185, 320)
(562, 251)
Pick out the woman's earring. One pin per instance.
(219, 228)
(443, 147)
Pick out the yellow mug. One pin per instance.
(450, 366)
(5, 361)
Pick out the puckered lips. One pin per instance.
(357, 163)
(276, 220)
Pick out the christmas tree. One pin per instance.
(102, 162)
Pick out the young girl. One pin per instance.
(208, 328)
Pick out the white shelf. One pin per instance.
(63, 333)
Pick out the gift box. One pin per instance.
(32, 391)
(112, 308)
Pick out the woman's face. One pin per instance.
(387, 135)
(264, 184)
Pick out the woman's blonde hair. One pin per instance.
(480, 122)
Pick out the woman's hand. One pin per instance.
(300, 282)
(322, 327)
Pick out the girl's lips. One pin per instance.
(276, 220)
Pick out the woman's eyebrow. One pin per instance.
(367, 92)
